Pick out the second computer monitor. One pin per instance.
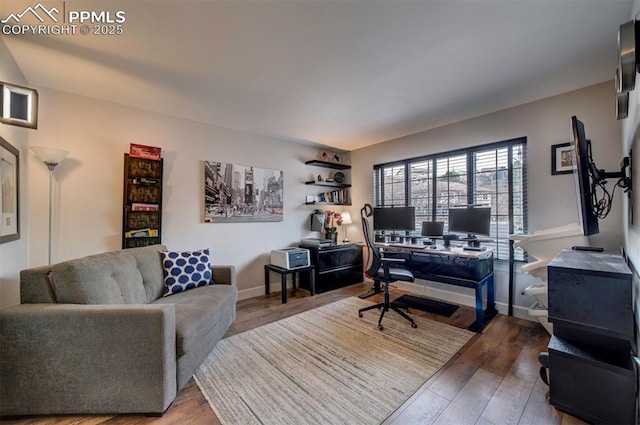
(432, 228)
(470, 220)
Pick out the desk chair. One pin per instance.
(381, 269)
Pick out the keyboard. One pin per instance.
(407, 245)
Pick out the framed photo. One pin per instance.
(239, 194)
(9, 192)
(562, 159)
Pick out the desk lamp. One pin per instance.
(346, 219)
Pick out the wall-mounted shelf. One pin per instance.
(328, 184)
(325, 164)
(319, 204)
(339, 195)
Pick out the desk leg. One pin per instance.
(491, 295)
(483, 317)
(266, 281)
(284, 287)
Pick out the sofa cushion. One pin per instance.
(200, 312)
(108, 278)
(185, 270)
(149, 262)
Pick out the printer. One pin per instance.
(290, 258)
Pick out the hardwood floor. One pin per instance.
(493, 380)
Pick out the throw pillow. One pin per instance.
(185, 270)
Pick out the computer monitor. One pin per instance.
(394, 218)
(470, 220)
(432, 228)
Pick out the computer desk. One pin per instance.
(453, 266)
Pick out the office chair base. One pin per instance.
(386, 307)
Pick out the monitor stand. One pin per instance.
(448, 238)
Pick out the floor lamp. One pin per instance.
(51, 158)
(346, 219)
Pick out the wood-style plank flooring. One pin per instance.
(493, 380)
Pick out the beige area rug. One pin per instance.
(325, 366)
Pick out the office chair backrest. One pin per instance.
(365, 213)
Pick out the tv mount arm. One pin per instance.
(602, 206)
(600, 176)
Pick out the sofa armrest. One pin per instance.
(69, 358)
(225, 274)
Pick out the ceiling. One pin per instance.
(344, 74)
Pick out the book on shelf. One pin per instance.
(335, 197)
(142, 233)
(145, 152)
(146, 180)
(137, 206)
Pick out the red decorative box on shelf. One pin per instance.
(146, 152)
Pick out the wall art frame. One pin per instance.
(562, 159)
(9, 192)
(239, 194)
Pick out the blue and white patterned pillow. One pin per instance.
(185, 270)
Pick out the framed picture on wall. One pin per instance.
(562, 159)
(239, 194)
(9, 192)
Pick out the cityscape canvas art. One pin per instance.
(239, 194)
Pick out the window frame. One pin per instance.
(471, 190)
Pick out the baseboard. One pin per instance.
(461, 299)
(418, 289)
(257, 291)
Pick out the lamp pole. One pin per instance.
(51, 158)
(51, 166)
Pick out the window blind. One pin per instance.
(493, 174)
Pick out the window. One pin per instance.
(493, 174)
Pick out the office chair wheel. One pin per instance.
(359, 314)
(380, 327)
(413, 325)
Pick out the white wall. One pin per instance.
(630, 137)
(13, 255)
(551, 199)
(89, 184)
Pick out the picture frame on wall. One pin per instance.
(9, 192)
(562, 159)
(236, 193)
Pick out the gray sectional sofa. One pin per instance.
(94, 335)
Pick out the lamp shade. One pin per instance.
(50, 156)
(346, 217)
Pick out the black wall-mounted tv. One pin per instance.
(582, 178)
(394, 218)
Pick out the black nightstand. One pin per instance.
(336, 266)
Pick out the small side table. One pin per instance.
(283, 277)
